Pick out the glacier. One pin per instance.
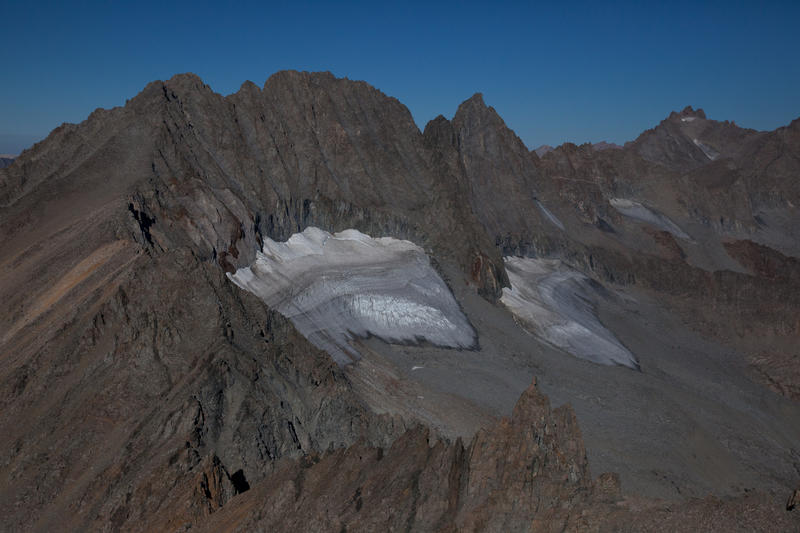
(553, 302)
(346, 285)
(637, 211)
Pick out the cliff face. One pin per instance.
(219, 173)
(128, 352)
(140, 389)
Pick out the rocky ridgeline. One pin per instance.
(142, 390)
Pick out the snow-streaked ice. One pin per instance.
(553, 302)
(688, 119)
(550, 216)
(336, 287)
(710, 152)
(637, 211)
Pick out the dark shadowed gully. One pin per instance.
(652, 293)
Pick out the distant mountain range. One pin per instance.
(602, 145)
(6, 160)
(289, 309)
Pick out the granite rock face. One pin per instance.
(141, 389)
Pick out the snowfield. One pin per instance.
(553, 302)
(335, 287)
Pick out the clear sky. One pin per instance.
(555, 72)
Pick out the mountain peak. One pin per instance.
(186, 80)
(604, 145)
(688, 112)
(477, 99)
(249, 86)
(473, 104)
(294, 76)
(184, 77)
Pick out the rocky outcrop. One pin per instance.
(529, 471)
(793, 501)
(158, 368)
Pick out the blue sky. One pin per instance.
(556, 72)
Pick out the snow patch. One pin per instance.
(550, 216)
(637, 211)
(553, 303)
(337, 287)
(710, 152)
(688, 119)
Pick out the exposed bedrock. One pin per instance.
(530, 467)
(149, 376)
(526, 473)
(220, 173)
